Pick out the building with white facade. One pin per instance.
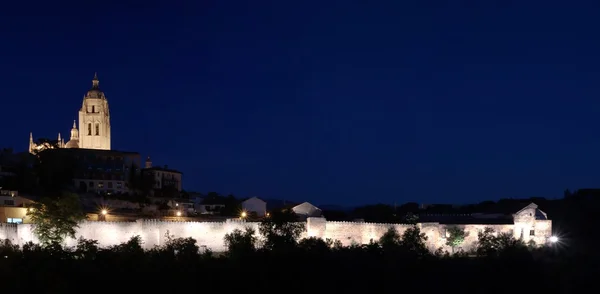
(307, 210)
(255, 205)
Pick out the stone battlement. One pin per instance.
(210, 234)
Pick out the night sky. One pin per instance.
(332, 102)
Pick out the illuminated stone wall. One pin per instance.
(153, 233)
(9, 231)
(210, 234)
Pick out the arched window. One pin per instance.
(97, 129)
(89, 129)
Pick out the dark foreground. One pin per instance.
(318, 270)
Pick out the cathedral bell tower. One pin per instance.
(94, 119)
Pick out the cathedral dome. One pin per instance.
(72, 144)
(95, 91)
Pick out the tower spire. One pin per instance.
(95, 81)
(31, 144)
(74, 133)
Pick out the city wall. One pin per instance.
(210, 234)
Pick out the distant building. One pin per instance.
(307, 210)
(93, 170)
(209, 208)
(163, 177)
(184, 206)
(13, 208)
(255, 205)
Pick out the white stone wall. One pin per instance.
(9, 231)
(211, 234)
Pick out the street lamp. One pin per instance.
(102, 215)
(244, 214)
(553, 239)
(179, 213)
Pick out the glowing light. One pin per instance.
(179, 213)
(268, 214)
(553, 239)
(104, 212)
(244, 214)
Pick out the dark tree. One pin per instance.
(281, 231)
(413, 241)
(390, 239)
(241, 243)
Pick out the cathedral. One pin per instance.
(94, 124)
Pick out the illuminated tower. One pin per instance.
(94, 119)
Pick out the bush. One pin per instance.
(491, 244)
(241, 243)
(281, 231)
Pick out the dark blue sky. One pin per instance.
(325, 101)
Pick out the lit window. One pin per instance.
(14, 220)
(100, 185)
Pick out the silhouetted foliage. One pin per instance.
(184, 249)
(241, 243)
(281, 231)
(390, 239)
(315, 246)
(494, 244)
(413, 242)
(86, 249)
